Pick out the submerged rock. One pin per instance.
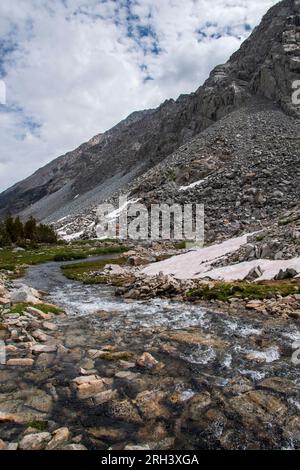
(59, 437)
(147, 361)
(88, 386)
(36, 441)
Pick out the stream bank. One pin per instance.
(157, 374)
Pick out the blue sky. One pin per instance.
(74, 68)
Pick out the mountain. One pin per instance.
(239, 133)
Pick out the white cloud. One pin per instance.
(74, 68)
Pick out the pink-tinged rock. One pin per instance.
(3, 291)
(60, 437)
(38, 313)
(105, 396)
(49, 326)
(85, 379)
(12, 418)
(44, 348)
(147, 361)
(21, 362)
(36, 441)
(89, 390)
(88, 386)
(40, 336)
(11, 349)
(74, 447)
(4, 301)
(3, 446)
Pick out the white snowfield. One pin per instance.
(238, 272)
(197, 264)
(193, 185)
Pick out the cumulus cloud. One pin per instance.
(74, 68)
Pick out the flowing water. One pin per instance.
(243, 333)
(202, 352)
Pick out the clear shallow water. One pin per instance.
(268, 341)
(198, 348)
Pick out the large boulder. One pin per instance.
(25, 294)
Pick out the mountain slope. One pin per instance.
(264, 68)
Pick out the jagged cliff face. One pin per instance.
(264, 68)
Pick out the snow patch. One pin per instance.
(238, 272)
(193, 185)
(63, 218)
(197, 264)
(114, 214)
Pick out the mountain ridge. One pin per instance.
(263, 68)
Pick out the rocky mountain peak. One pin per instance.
(264, 68)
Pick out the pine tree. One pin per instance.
(30, 229)
(9, 228)
(4, 237)
(12, 231)
(18, 230)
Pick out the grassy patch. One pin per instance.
(95, 251)
(18, 308)
(69, 256)
(83, 271)
(180, 245)
(17, 261)
(39, 425)
(45, 308)
(226, 291)
(96, 241)
(116, 356)
(48, 309)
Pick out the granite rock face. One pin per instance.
(256, 82)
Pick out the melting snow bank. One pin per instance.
(237, 272)
(198, 264)
(195, 263)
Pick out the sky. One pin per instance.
(74, 68)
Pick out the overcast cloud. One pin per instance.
(74, 68)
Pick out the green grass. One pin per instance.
(91, 252)
(45, 308)
(96, 241)
(180, 245)
(39, 425)
(82, 271)
(226, 291)
(17, 261)
(116, 356)
(18, 308)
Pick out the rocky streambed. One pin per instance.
(155, 374)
